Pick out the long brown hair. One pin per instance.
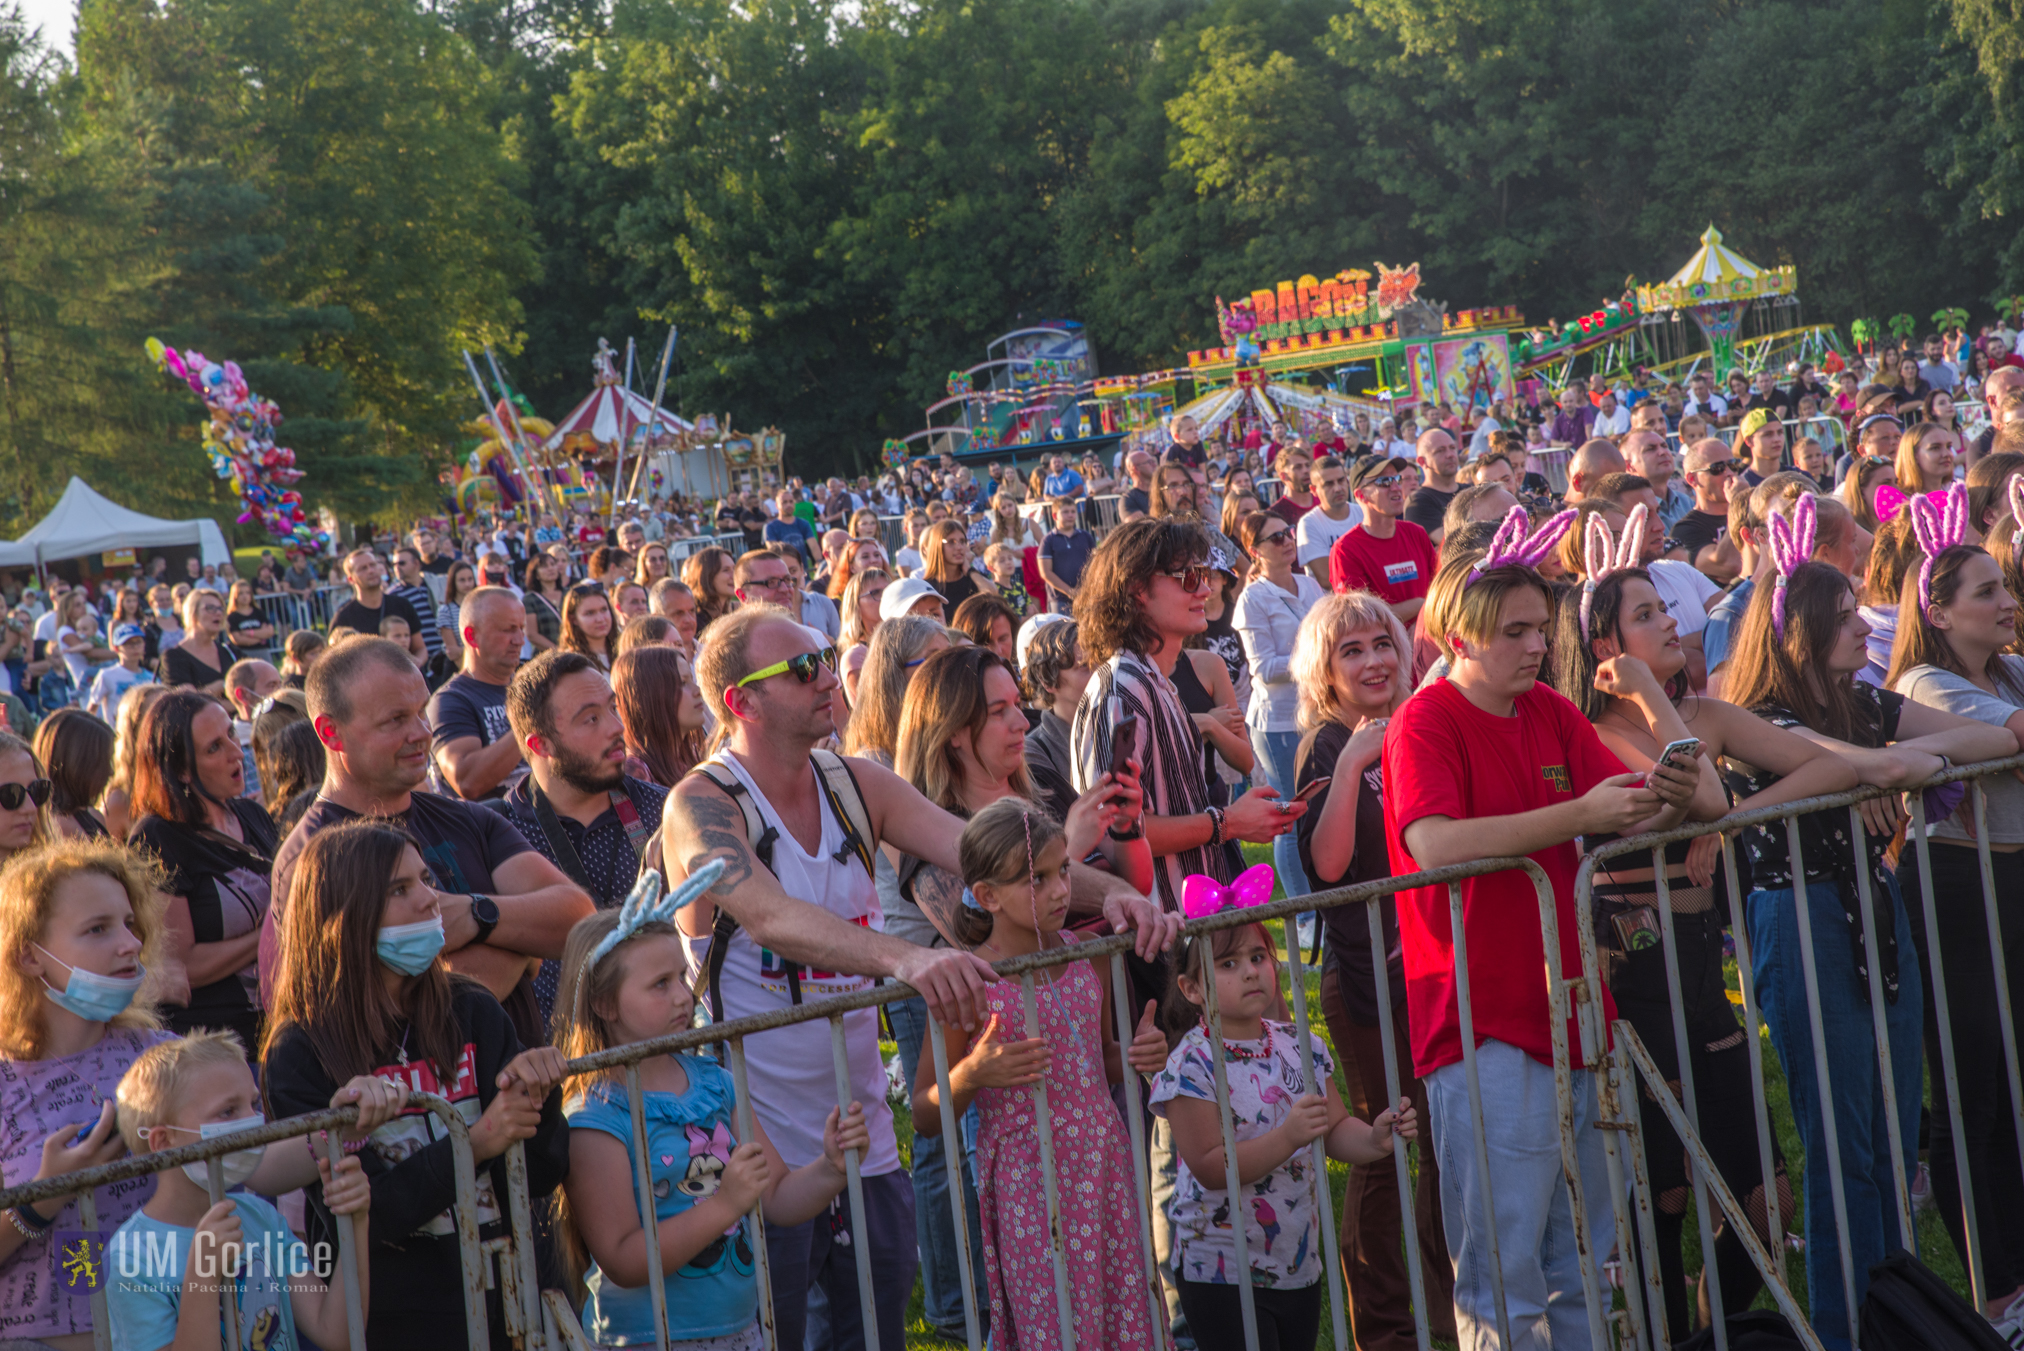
(75, 749)
(1791, 672)
(165, 760)
(574, 639)
(328, 982)
(935, 551)
(646, 682)
(699, 571)
(1917, 643)
(945, 697)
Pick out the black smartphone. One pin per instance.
(1123, 743)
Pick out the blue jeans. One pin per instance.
(1855, 1079)
(934, 1224)
(1535, 1213)
(1275, 768)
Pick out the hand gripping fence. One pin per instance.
(1622, 1067)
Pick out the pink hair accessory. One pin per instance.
(1937, 530)
(1204, 896)
(1791, 545)
(1604, 555)
(1511, 547)
(1890, 500)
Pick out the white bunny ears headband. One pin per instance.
(1603, 555)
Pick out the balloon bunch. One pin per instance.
(240, 441)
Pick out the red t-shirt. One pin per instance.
(1397, 569)
(1446, 757)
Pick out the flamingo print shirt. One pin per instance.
(1281, 1230)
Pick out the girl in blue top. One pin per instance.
(704, 1180)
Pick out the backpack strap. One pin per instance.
(846, 799)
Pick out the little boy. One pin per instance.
(109, 687)
(1003, 560)
(168, 1263)
(436, 670)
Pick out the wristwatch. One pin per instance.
(485, 914)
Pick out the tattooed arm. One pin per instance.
(699, 823)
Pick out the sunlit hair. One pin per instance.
(149, 1089)
(1237, 507)
(855, 629)
(936, 563)
(328, 981)
(1988, 479)
(1458, 607)
(647, 683)
(29, 882)
(133, 710)
(1910, 478)
(1917, 643)
(1163, 507)
(1000, 846)
(1569, 550)
(1333, 618)
(727, 658)
(645, 575)
(74, 748)
(699, 573)
(945, 697)
(574, 639)
(974, 617)
(647, 630)
(192, 602)
(1791, 672)
(1110, 600)
(1894, 555)
(1051, 650)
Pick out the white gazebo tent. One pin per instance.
(84, 522)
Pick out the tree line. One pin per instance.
(838, 203)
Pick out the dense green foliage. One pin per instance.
(838, 203)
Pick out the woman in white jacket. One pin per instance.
(1275, 600)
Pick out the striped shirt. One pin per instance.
(1169, 750)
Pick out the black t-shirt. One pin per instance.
(1427, 508)
(955, 592)
(1348, 926)
(244, 622)
(1191, 456)
(460, 842)
(178, 667)
(467, 706)
(226, 885)
(752, 522)
(1137, 499)
(1698, 529)
(357, 617)
(1050, 763)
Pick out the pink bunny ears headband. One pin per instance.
(1511, 547)
(1791, 545)
(1938, 529)
(1604, 555)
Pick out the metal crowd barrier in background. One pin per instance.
(1621, 1066)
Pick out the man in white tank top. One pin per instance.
(817, 916)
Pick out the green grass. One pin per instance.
(1936, 1249)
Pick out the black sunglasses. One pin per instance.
(12, 794)
(588, 589)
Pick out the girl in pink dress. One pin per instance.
(1015, 871)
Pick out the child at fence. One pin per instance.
(1014, 861)
(622, 982)
(167, 1266)
(1278, 1106)
(1799, 647)
(361, 990)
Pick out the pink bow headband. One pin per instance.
(1791, 545)
(1203, 896)
(1937, 530)
(1511, 547)
(1890, 500)
(1604, 555)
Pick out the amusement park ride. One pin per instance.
(1327, 349)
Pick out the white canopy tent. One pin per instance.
(83, 522)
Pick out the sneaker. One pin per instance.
(1922, 1191)
(2009, 1325)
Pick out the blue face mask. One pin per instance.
(410, 948)
(92, 997)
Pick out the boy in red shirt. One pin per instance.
(1490, 762)
(1385, 555)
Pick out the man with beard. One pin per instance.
(504, 906)
(577, 806)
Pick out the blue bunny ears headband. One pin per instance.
(646, 904)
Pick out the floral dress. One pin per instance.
(1092, 1173)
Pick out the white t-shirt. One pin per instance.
(1611, 424)
(792, 1072)
(909, 561)
(78, 662)
(1686, 591)
(1317, 533)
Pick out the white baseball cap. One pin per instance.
(1031, 630)
(901, 597)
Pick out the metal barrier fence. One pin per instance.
(1620, 1065)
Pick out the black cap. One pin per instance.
(1373, 467)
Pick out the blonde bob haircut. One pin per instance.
(1458, 608)
(149, 1089)
(1333, 617)
(28, 886)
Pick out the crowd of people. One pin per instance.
(399, 858)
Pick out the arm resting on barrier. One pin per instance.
(1613, 805)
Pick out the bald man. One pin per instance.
(473, 751)
(1440, 462)
(1595, 459)
(1999, 382)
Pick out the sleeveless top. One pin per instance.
(790, 1069)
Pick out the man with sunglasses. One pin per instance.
(1386, 555)
(1711, 474)
(807, 918)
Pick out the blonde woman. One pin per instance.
(879, 687)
